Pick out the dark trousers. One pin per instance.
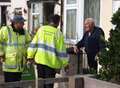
(91, 61)
(12, 76)
(46, 72)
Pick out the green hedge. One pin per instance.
(110, 56)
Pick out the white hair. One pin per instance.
(91, 20)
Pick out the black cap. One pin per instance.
(18, 18)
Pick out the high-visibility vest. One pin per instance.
(48, 48)
(14, 47)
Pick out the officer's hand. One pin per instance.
(76, 50)
(67, 68)
(30, 61)
(1, 59)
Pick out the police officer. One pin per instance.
(14, 40)
(48, 50)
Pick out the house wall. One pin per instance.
(0, 16)
(18, 4)
(105, 16)
(101, 11)
(3, 4)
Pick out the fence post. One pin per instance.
(76, 65)
(80, 62)
(73, 65)
(76, 82)
(41, 83)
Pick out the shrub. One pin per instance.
(110, 56)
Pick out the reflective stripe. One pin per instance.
(2, 43)
(9, 43)
(9, 33)
(12, 44)
(9, 66)
(33, 45)
(42, 42)
(49, 49)
(63, 56)
(16, 44)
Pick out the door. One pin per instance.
(3, 15)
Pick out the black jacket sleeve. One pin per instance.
(102, 43)
(81, 42)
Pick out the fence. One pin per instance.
(73, 82)
(75, 67)
(78, 63)
(78, 81)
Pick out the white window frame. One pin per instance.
(0, 15)
(79, 6)
(5, 3)
(114, 6)
(36, 13)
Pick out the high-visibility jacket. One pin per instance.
(14, 47)
(48, 48)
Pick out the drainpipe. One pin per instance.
(29, 9)
(61, 13)
(0, 16)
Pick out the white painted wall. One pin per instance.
(17, 4)
(57, 9)
(105, 16)
(107, 8)
(3, 4)
(0, 15)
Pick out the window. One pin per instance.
(92, 9)
(0, 16)
(71, 1)
(71, 24)
(3, 14)
(36, 17)
(116, 5)
(73, 20)
(5, 0)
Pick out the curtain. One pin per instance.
(92, 9)
(71, 24)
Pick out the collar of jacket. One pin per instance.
(19, 31)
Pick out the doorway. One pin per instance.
(3, 15)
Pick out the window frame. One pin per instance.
(79, 6)
(40, 13)
(0, 16)
(114, 7)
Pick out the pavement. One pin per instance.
(1, 74)
(1, 78)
